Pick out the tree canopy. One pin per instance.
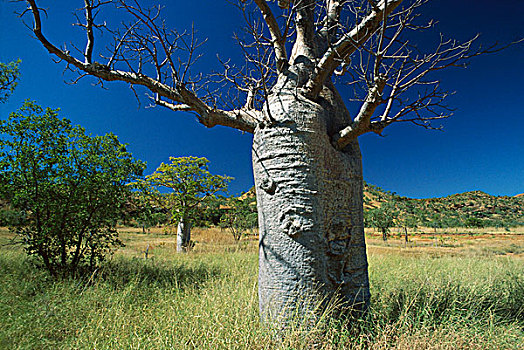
(188, 183)
(367, 44)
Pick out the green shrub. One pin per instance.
(68, 188)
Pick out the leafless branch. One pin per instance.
(347, 45)
(366, 42)
(260, 69)
(410, 92)
(278, 41)
(305, 41)
(142, 47)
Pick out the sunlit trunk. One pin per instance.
(310, 205)
(183, 235)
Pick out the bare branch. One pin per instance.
(347, 46)
(259, 72)
(276, 36)
(89, 28)
(134, 50)
(410, 92)
(368, 41)
(219, 117)
(305, 43)
(361, 123)
(331, 22)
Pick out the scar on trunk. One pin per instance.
(295, 220)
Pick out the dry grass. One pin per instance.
(206, 240)
(482, 242)
(468, 294)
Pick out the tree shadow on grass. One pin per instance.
(150, 274)
(116, 273)
(146, 274)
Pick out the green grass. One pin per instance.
(208, 300)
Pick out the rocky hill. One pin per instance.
(469, 208)
(475, 208)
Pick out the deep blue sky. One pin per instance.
(482, 147)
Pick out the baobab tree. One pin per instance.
(306, 156)
(189, 184)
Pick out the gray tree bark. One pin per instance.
(183, 235)
(310, 204)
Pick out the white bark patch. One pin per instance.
(183, 236)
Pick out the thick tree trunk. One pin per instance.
(183, 235)
(310, 204)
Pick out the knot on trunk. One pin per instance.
(268, 185)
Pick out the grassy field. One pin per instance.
(457, 291)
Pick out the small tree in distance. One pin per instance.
(240, 217)
(190, 183)
(383, 218)
(474, 222)
(409, 221)
(69, 188)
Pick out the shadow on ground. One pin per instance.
(147, 273)
(117, 274)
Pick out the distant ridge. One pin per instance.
(495, 210)
(453, 209)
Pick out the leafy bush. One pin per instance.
(69, 188)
